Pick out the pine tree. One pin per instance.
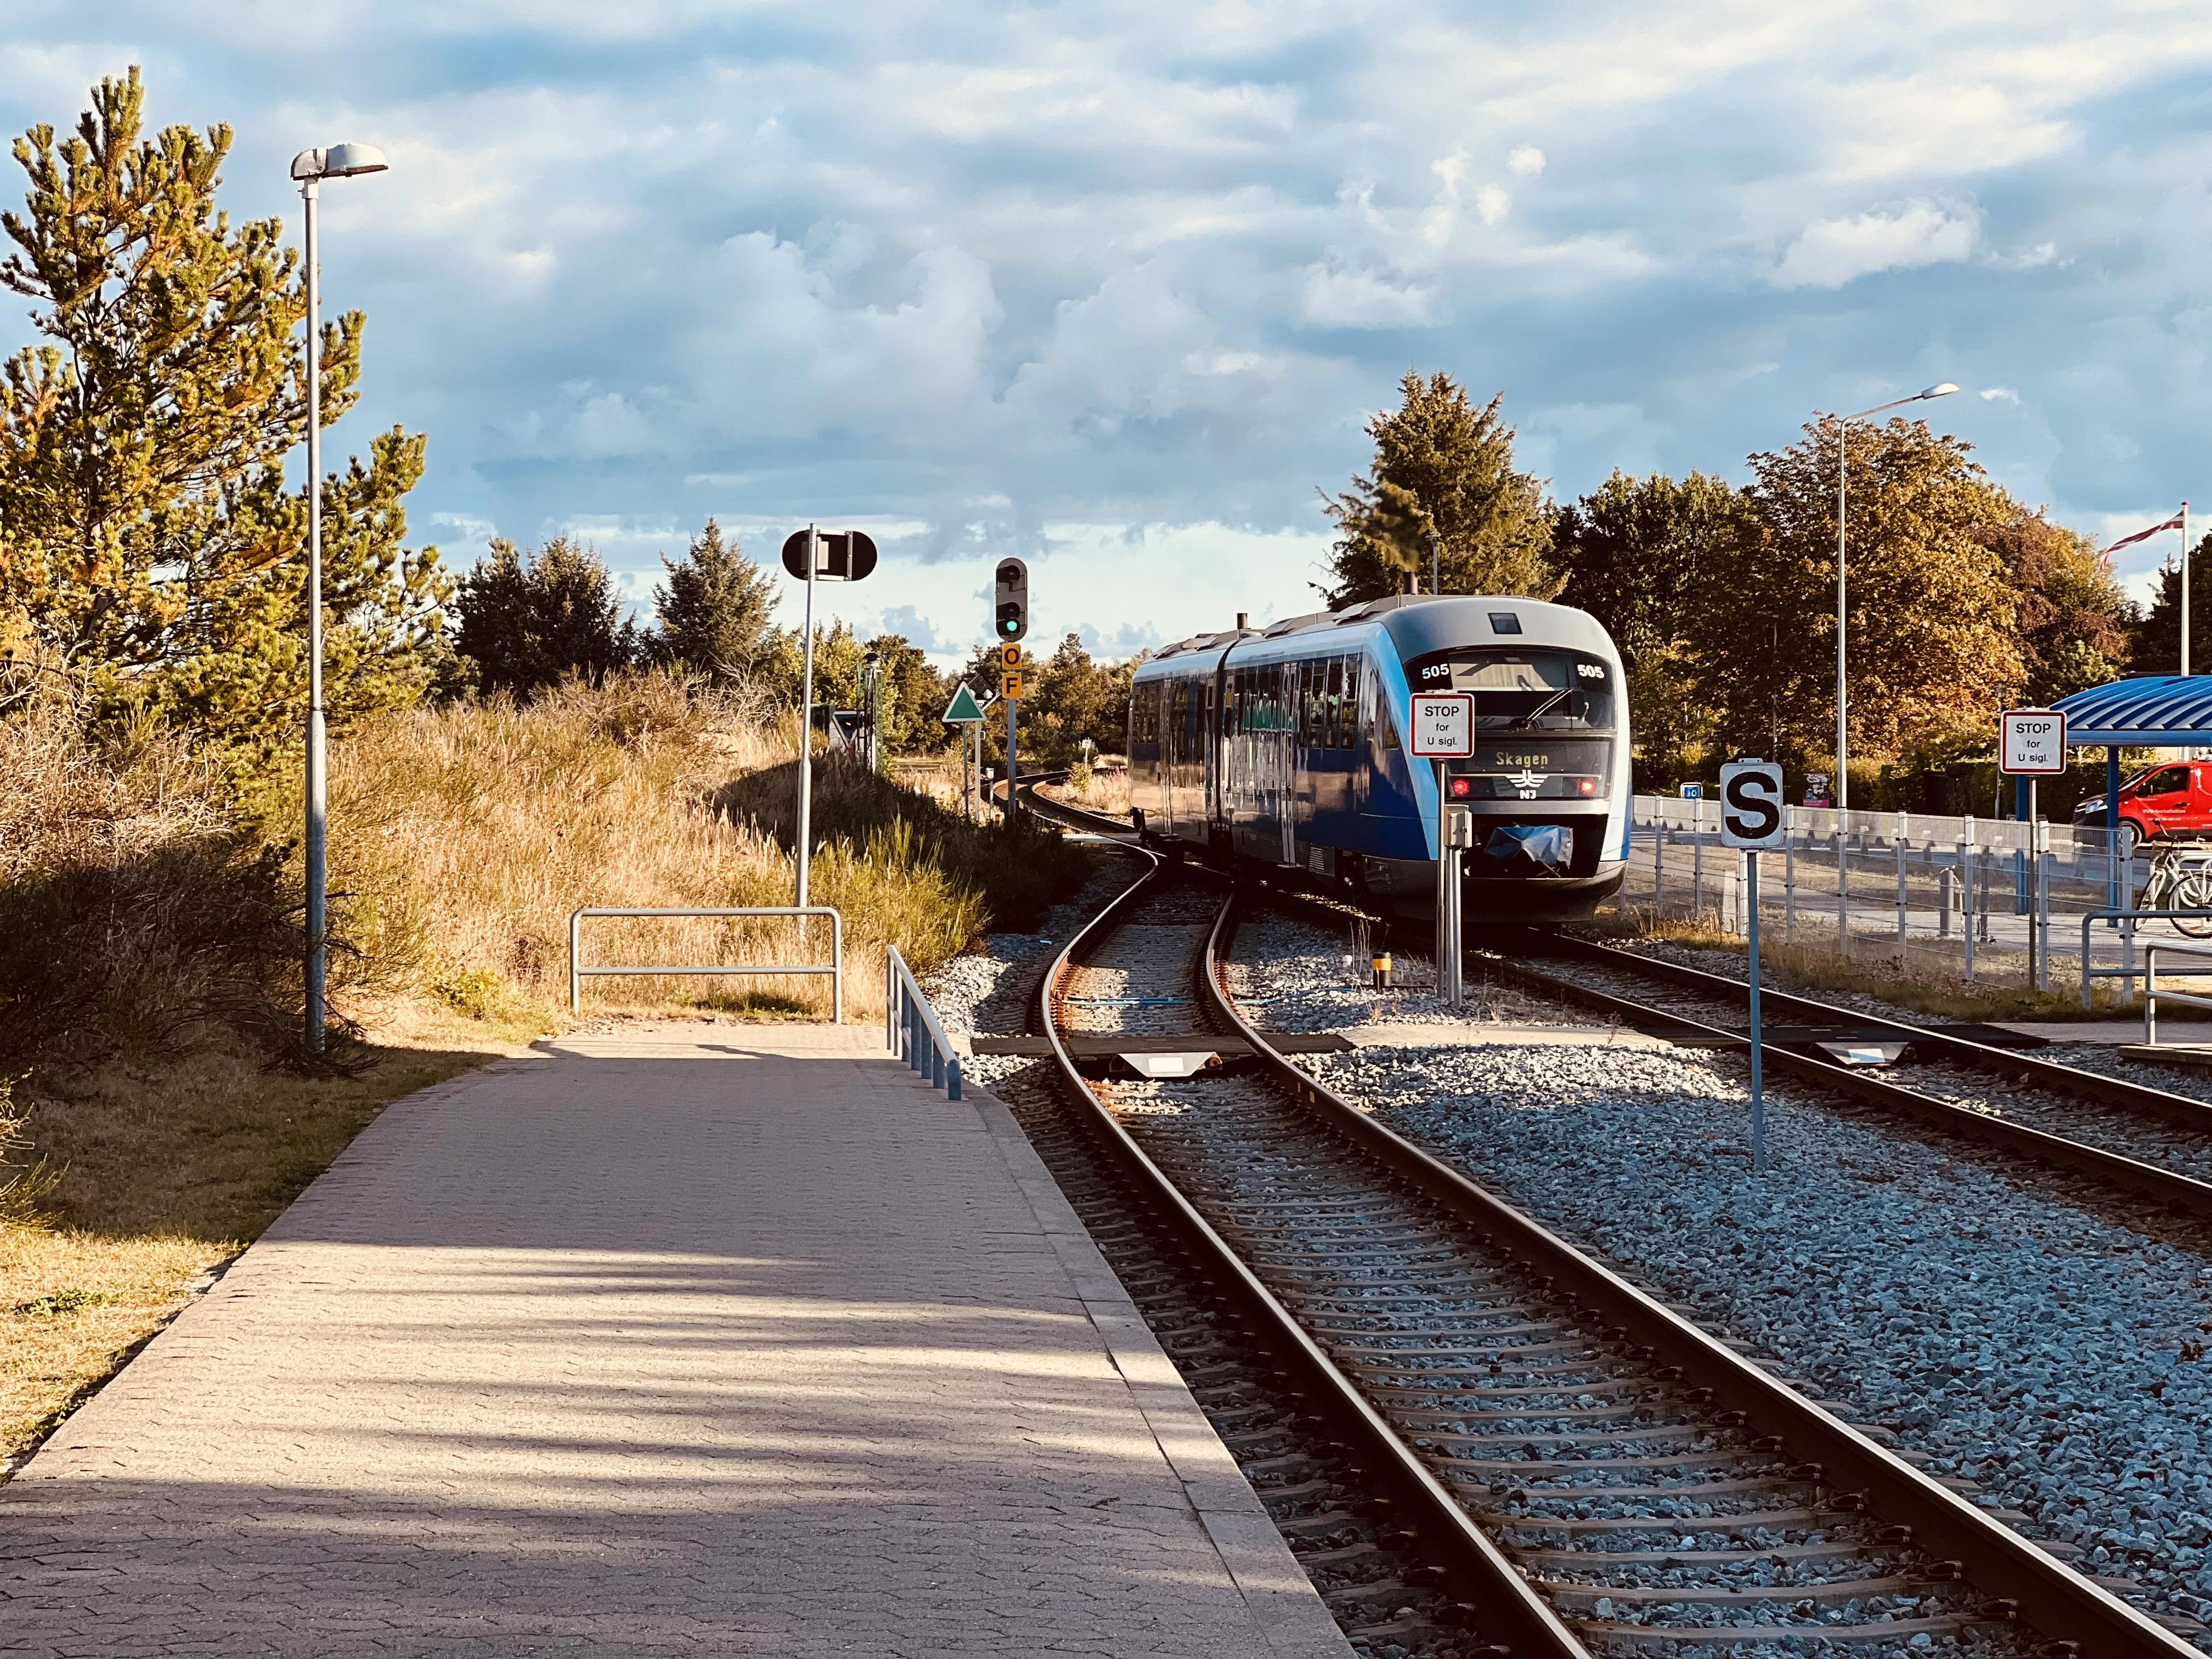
(147, 540)
(715, 608)
(2155, 639)
(1440, 465)
(530, 620)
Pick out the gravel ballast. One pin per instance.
(2053, 1354)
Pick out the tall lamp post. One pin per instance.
(1842, 470)
(310, 167)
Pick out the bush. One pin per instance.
(135, 908)
(463, 837)
(1016, 876)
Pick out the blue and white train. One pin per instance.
(1286, 746)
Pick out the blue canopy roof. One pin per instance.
(2151, 711)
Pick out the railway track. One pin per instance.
(2123, 1135)
(1573, 1468)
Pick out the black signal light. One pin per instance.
(1012, 591)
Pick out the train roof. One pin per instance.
(1417, 623)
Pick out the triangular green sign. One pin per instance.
(961, 708)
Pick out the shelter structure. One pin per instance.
(2146, 711)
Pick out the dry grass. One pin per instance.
(465, 836)
(135, 911)
(168, 1169)
(73, 1306)
(461, 839)
(1913, 981)
(1099, 789)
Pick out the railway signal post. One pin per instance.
(1751, 819)
(813, 554)
(964, 712)
(1442, 728)
(1010, 622)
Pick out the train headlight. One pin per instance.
(1585, 786)
(1461, 788)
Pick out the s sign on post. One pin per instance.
(1751, 819)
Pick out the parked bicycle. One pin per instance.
(2180, 879)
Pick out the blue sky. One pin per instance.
(1115, 287)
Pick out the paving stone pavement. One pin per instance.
(686, 1339)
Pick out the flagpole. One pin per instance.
(2184, 590)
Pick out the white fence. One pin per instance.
(1969, 895)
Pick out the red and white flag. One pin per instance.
(2179, 521)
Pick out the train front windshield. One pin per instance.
(1522, 689)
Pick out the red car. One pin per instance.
(2174, 800)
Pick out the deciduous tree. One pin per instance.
(1932, 654)
(1440, 465)
(2071, 616)
(1636, 553)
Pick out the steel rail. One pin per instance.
(2043, 1592)
(2185, 1193)
(1499, 1601)
(1074, 817)
(2093, 1087)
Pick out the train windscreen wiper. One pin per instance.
(1539, 711)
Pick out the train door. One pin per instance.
(1210, 741)
(1288, 762)
(1176, 753)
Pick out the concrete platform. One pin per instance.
(2113, 1033)
(683, 1340)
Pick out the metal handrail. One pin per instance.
(912, 1030)
(834, 968)
(2129, 970)
(2150, 984)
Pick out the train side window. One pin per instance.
(1333, 736)
(1310, 677)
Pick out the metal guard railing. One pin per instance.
(2153, 996)
(911, 1028)
(2125, 921)
(834, 968)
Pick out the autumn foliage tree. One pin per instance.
(1931, 648)
(2071, 614)
(1638, 554)
(149, 545)
(1441, 466)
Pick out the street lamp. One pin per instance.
(1843, 439)
(310, 167)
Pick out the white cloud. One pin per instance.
(1110, 286)
(1362, 299)
(1832, 252)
